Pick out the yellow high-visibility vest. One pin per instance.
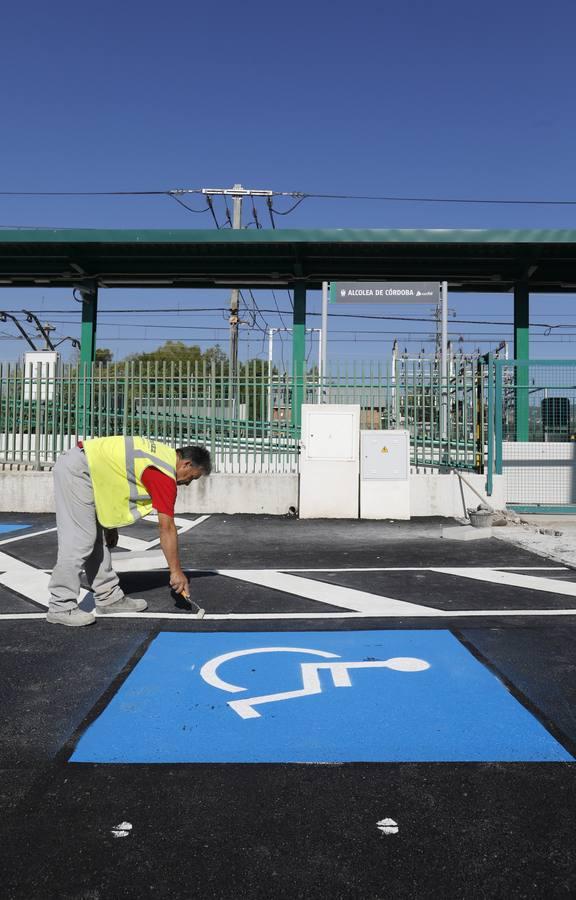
(116, 466)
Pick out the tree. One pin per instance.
(104, 355)
(216, 355)
(171, 351)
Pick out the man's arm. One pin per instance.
(169, 544)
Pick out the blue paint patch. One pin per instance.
(11, 526)
(454, 710)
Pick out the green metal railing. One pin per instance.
(245, 421)
(534, 432)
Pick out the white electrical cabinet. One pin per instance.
(331, 435)
(330, 461)
(40, 370)
(385, 455)
(384, 475)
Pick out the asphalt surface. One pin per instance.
(474, 768)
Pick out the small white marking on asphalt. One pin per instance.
(122, 830)
(387, 826)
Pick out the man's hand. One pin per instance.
(111, 537)
(179, 582)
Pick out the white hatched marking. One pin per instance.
(183, 525)
(332, 594)
(513, 579)
(32, 583)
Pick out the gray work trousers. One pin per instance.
(81, 543)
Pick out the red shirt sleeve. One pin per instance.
(162, 490)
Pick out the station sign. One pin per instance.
(385, 292)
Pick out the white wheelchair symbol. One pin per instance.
(339, 671)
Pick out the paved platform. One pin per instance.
(346, 674)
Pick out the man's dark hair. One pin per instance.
(198, 456)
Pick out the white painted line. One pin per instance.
(513, 579)
(14, 616)
(420, 569)
(23, 537)
(531, 568)
(429, 614)
(254, 617)
(332, 594)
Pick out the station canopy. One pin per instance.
(470, 260)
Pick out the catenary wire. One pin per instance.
(300, 196)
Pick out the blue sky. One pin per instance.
(424, 99)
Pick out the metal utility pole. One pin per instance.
(44, 330)
(271, 332)
(444, 374)
(235, 293)
(393, 414)
(237, 193)
(323, 342)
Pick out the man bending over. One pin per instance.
(99, 486)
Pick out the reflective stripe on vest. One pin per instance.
(132, 454)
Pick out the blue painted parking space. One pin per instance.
(314, 697)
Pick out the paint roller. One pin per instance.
(200, 613)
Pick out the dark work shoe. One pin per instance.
(75, 617)
(126, 604)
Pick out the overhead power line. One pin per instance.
(299, 196)
(178, 310)
(351, 339)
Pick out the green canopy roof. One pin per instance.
(469, 259)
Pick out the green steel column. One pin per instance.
(298, 353)
(490, 459)
(522, 352)
(89, 296)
